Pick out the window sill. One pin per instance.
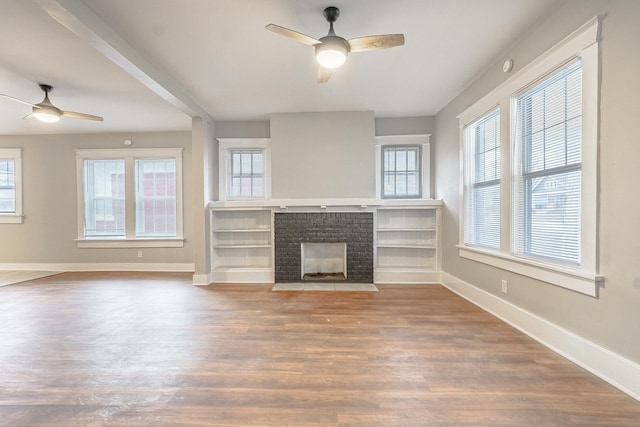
(11, 219)
(575, 280)
(131, 243)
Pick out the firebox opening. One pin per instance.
(323, 261)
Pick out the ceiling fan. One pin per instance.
(47, 112)
(332, 50)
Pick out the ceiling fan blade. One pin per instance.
(28, 116)
(82, 116)
(323, 74)
(383, 41)
(302, 38)
(18, 100)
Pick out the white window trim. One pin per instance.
(14, 154)
(584, 278)
(224, 164)
(425, 167)
(129, 156)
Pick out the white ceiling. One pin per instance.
(215, 56)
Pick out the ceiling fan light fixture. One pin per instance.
(46, 114)
(332, 52)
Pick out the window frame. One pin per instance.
(225, 149)
(583, 278)
(470, 183)
(130, 239)
(406, 148)
(419, 140)
(15, 154)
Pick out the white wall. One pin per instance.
(49, 182)
(323, 155)
(613, 318)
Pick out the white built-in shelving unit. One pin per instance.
(406, 238)
(242, 245)
(406, 245)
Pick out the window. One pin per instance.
(246, 173)
(482, 139)
(402, 167)
(401, 171)
(245, 168)
(548, 161)
(10, 185)
(130, 197)
(530, 192)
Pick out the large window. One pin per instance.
(130, 197)
(547, 190)
(401, 171)
(530, 191)
(245, 168)
(482, 143)
(10, 185)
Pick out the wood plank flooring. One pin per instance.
(150, 349)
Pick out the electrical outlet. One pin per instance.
(140, 255)
(505, 287)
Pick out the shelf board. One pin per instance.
(403, 268)
(240, 246)
(405, 229)
(404, 246)
(243, 267)
(243, 230)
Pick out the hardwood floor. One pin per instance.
(142, 349)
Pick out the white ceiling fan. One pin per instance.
(47, 112)
(332, 50)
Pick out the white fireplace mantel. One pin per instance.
(324, 204)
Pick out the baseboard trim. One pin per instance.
(201, 279)
(618, 371)
(125, 266)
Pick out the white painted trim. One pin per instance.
(201, 279)
(358, 204)
(618, 371)
(131, 243)
(575, 280)
(11, 219)
(100, 266)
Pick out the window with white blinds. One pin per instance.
(530, 195)
(482, 204)
(548, 161)
(130, 197)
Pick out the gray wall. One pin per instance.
(49, 186)
(611, 320)
(322, 155)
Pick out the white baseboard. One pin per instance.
(106, 266)
(618, 371)
(202, 279)
(242, 275)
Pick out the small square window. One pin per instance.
(401, 171)
(246, 173)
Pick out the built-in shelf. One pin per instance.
(242, 245)
(406, 237)
(406, 244)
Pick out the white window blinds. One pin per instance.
(482, 193)
(548, 168)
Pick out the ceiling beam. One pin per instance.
(86, 24)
